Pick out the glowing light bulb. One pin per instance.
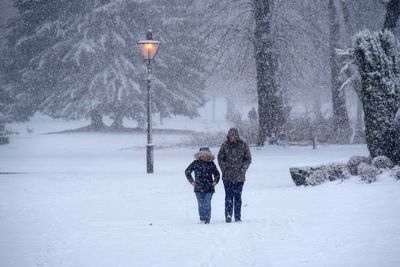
(149, 46)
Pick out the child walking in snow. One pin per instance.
(206, 177)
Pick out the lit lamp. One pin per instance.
(149, 48)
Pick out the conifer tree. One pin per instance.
(377, 55)
(74, 59)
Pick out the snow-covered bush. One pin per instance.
(352, 164)
(395, 172)
(367, 172)
(336, 171)
(317, 177)
(300, 174)
(382, 162)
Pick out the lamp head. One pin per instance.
(149, 47)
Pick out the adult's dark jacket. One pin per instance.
(204, 171)
(234, 159)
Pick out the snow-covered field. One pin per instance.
(85, 200)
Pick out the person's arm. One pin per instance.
(216, 174)
(221, 158)
(188, 173)
(246, 158)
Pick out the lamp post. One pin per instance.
(149, 48)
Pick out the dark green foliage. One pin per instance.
(71, 58)
(382, 162)
(35, 29)
(319, 174)
(299, 175)
(367, 172)
(353, 163)
(395, 172)
(336, 171)
(377, 56)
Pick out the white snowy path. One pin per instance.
(85, 200)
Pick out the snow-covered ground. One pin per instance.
(85, 200)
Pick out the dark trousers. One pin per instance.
(204, 203)
(233, 199)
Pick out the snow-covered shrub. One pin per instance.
(395, 172)
(367, 172)
(300, 174)
(352, 164)
(382, 162)
(317, 177)
(336, 171)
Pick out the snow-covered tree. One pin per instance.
(377, 55)
(266, 44)
(340, 116)
(181, 62)
(392, 14)
(99, 64)
(80, 59)
(39, 26)
(270, 102)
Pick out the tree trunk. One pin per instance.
(230, 108)
(270, 106)
(141, 123)
(340, 116)
(118, 121)
(96, 120)
(214, 100)
(359, 134)
(346, 19)
(392, 14)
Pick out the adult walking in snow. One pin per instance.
(234, 159)
(206, 177)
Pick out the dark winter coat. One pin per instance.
(234, 159)
(204, 171)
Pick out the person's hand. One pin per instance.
(214, 184)
(194, 184)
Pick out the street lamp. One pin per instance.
(149, 48)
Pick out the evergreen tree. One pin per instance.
(80, 59)
(181, 64)
(37, 27)
(377, 56)
(100, 66)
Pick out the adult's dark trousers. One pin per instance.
(204, 204)
(233, 199)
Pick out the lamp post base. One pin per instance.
(149, 156)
